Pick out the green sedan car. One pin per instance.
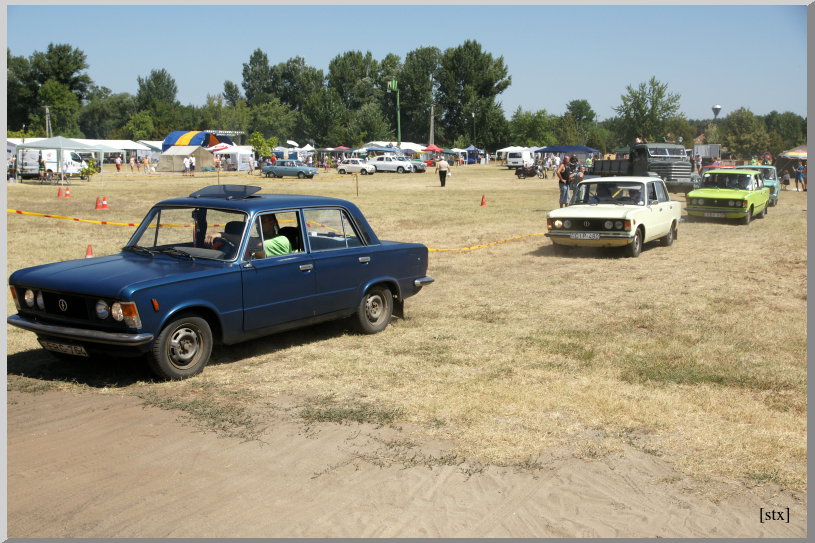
(731, 193)
(771, 180)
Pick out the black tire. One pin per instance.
(400, 169)
(301, 175)
(520, 174)
(182, 348)
(634, 248)
(668, 240)
(363, 171)
(747, 218)
(341, 171)
(764, 211)
(541, 175)
(374, 310)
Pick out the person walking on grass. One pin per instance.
(798, 170)
(442, 168)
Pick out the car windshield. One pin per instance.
(768, 173)
(727, 180)
(199, 232)
(667, 151)
(609, 192)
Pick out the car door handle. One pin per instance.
(306, 267)
(365, 259)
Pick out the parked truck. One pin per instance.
(669, 161)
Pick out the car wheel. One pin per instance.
(301, 175)
(182, 348)
(764, 211)
(747, 218)
(668, 240)
(400, 169)
(520, 175)
(341, 171)
(374, 310)
(363, 171)
(634, 248)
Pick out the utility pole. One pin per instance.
(432, 120)
(47, 122)
(394, 86)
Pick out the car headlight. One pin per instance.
(567, 224)
(102, 309)
(608, 225)
(40, 301)
(116, 312)
(618, 225)
(731, 203)
(29, 297)
(558, 223)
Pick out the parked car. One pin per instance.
(417, 166)
(729, 193)
(289, 168)
(616, 212)
(245, 265)
(355, 165)
(389, 163)
(770, 178)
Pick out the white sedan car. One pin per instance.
(355, 165)
(390, 164)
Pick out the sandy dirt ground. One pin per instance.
(103, 465)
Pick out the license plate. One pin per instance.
(584, 235)
(714, 214)
(76, 350)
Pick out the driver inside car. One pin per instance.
(228, 240)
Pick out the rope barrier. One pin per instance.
(110, 223)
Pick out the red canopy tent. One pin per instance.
(432, 149)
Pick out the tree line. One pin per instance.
(354, 102)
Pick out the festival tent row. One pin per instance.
(60, 144)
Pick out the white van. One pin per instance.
(517, 159)
(28, 159)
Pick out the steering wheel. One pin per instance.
(224, 245)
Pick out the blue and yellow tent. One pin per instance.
(194, 137)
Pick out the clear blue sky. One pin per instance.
(554, 54)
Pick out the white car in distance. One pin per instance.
(355, 165)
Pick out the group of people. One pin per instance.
(569, 173)
(189, 166)
(799, 172)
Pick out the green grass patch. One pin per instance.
(329, 410)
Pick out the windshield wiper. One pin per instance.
(139, 249)
(172, 251)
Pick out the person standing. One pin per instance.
(118, 162)
(563, 180)
(146, 165)
(132, 164)
(697, 162)
(442, 168)
(186, 165)
(192, 166)
(798, 170)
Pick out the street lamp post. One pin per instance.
(473, 127)
(394, 86)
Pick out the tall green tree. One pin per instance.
(138, 127)
(646, 109)
(293, 81)
(367, 124)
(106, 112)
(232, 93)
(65, 65)
(527, 128)
(21, 92)
(63, 108)
(157, 95)
(324, 118)
(745, 134)
(581, 111)
(354, 76)
(417, 84)
(256, 78)
(273, 119)
(790, 128)
(470, 80)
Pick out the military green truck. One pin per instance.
(669, 161)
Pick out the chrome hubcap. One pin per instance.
(183, 346)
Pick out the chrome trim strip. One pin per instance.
(94, 336)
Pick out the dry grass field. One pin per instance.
(694, 353)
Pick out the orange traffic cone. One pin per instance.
(98, 203)
(104, 202)
(483, 201)
(67, 192)
(59, 192)
(89, 252)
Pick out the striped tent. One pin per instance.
(193, 137)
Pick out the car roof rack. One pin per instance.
(227, 192)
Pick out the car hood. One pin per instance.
(735, 194)
(114, 276)
(599, 211)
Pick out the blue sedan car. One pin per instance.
(289, 168)
(223, 265)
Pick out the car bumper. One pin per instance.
(717, 213)
(83, 335)
(602, 239)
(423, 281)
